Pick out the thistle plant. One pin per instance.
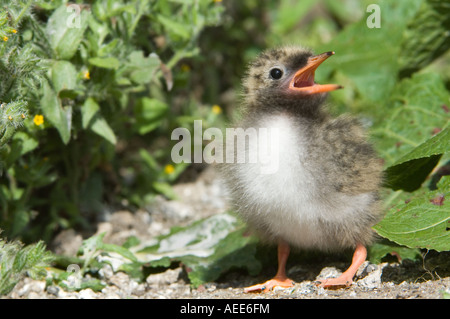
(21, 73)
(12, 116)
(16, 260)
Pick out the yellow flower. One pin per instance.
(185, 67)
(216, 109)
(169, 169)
(14, 31)
(38, 119)
(87, 75)
(5, 38)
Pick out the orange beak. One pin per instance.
(303, 80)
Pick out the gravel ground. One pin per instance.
(203, 197)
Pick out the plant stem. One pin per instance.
(24, 10)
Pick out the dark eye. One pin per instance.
(276, 73)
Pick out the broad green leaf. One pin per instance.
(89, 110)
(106, 10)
(25, 142)
(107, 49)
(102, 128)
(411, 170)
(140, 69)
(412, 117)
(92, 119)
(100, 30)
(381, 249)
(106, 63)
(426, 37)
(423, 221)
(65, 29)
(174, 27)
(149, 114)
(111, 248)
(410, 175)
(207, 248)
(64, 76)
(60, 118)
(438, 144)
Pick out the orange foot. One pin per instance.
(270, 284)
(346, 278)
(335, 283)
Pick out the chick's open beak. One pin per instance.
(303, 80)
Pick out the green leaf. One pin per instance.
(131, 241)
(65, 29)
(409, 172)
(174, 27)
(410, 175)
(140, 69)
(64, 76)
(60, 118)
(17, 260)
(106, 63)
(438, 144)
(165, 189)
(381, 249)
(108, 48)
(149, 114)
(207, 248)
(124, 252)
(93, 120)
(422, 221)
(149, 159)
(25, 142)
(412, 117)
(426, 37)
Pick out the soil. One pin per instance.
(202, 195)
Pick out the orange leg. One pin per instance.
(280, 279)
(346, 278)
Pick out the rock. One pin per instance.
(67, 243)
(328, 272)
(365, 269)
(106, 271)
(165, 278)
(373, 279)
(87, 294)
(53, 290)
(31, 287)
(305, 288)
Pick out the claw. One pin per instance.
(334, 283)
(270, 284)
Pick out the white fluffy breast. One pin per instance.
(279, 189)
(280, 172)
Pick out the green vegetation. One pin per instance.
(16, 260)
(90, 93)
